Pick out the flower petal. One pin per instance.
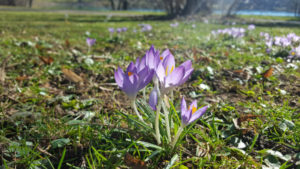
(130, 86)
(119, 76)
(198, 114)
(175, 77)
(169, 62)
(185, 114)
(160, 72)
(153, 99)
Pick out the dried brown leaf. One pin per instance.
(71, 76)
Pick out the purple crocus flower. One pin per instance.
(119, 30)
(169, 76)
(294, 53)
(136, 77)
(191, 113)
(174, 24)
(251, 27)
(90, 42)
(124, 29)
(111, 30)
(145, 27)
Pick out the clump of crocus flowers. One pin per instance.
(231, 32)
(289, 43)
(160, 69)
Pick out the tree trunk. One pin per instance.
(30, 3)
(112, 4)
(11, 2)
(232, 7)
(125, 4)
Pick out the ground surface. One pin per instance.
(59, 103)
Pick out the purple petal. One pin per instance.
(165, 53)
(198, 114)
(169, 62)
(175, 77)
(153, 99)
(187, 65)
(184, 112)
(119, 76)
(130, 86)
(193, 104)
(186, 76)
(160, 72)
(145, 77)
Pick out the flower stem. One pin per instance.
(157, 133)
(157, 123)
(177, 137)
(136, 111)
(166, 119)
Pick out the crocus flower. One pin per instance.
(174, 24)
(119, 30)
(111, 30)
(124, 29)
(251, 27)
(294, 53)
(90, 42)
(134, 79)
(169, 76)
(145, 27)
(191, 113)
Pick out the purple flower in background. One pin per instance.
(136, 77)
(169, 76)
(269, 45)
(111, 30)
(124, 29)
(119, 30)
(145, 27)
(294, 53)
(251, 27)
(191, 113)
(174, 25)
(90, 42)
(285, 42)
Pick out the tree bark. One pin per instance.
(30, 3)
(112, 4)
(232, 7)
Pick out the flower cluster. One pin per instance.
(161, 69)
(145, 27)
(290, 42)
(118, 30)
(232, 32)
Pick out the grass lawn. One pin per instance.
(61, 108)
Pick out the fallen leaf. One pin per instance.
(268, 73)
(71, 76)
(134, 163)
(47, 60)
(22, 78)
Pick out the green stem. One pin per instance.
(136, 111)
(157, 123)
(166, 112)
